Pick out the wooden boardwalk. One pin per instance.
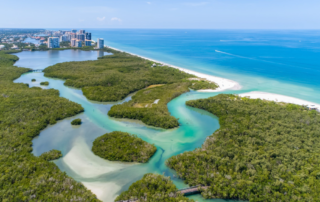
(192, 190)
(186, 192)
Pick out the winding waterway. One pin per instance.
(107, 179)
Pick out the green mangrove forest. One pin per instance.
(153, 188)
(121, 146)
(76, 122)
(113, 77)
(24, 112)
(51, 155)
(150, 105)
(263, 151)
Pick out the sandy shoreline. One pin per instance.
(278, 98)
(224, 84)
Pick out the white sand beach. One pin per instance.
(82, 161)
(224, 84)
(278, 98)
(103, 190)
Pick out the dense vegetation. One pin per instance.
(153, 188)
(264, 151)
(143, 106)
(24, 112)
(33, 80)
(120, 146)
(51, 155)
(113, 77)
(76, 122)
(203, 84)
(44, 83)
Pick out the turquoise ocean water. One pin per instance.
(275, 61)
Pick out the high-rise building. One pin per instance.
(53, 42)
(74, 31)
(81, 37)
(64, 38)
(82, 31)
(73, 42)
(79, 44)
(72, 36)
(88, 36)
(88, 43)
(100, 43)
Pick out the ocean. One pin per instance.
(285, 62)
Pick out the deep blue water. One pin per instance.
(283, 62)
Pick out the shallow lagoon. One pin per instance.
(107, 179)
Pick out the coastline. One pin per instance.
(278, 98)
(227, 84)
(224, 84)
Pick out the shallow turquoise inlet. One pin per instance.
(107, 179)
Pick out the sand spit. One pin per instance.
(82, 161)
(278, 98)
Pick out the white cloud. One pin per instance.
(101, 19)
(148, 2)
(193, 4)
(116, 19)
(94, 9)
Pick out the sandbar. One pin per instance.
(278, 98)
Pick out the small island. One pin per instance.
(44, 83)
(33, 80)
(155, 187)
(76, 122)
(51, 155)
(121, 146)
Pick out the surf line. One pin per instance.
(239, 56)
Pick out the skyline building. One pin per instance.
(82, 31)
(78, 43)
(88, 36)
(81, 37)
(88, 43)
(74, 31)
(64, 38)
(100, 43)
(53, 42)
(73, 42)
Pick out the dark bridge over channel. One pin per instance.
(35, 70)
(186, 192)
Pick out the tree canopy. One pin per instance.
(153, 188)
(120, 146)
(264, 151)
(24, 112)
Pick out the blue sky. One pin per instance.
(207, 14)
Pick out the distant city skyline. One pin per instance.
(179, 14)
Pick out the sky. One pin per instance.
(172, 14)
